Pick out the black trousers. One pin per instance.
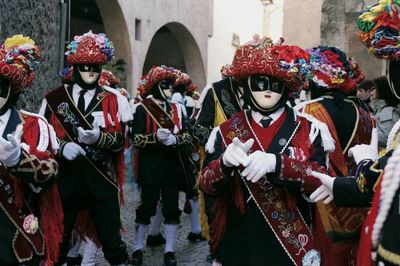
(106, 219)
(150, 194)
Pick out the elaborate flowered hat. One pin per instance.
(155, 75)
(182, 78)
(379, 25)
(262, 57)
(107, 78)
(332, 69)
(90, 48)
(18, 58)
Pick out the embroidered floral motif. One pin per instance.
(31, 224)
(69, 117)
(238, 128)
(288, 226)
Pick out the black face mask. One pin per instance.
(158, 90)
(264, 83)
(90, 68)
(393, 76)
(4, 87)
(260, 84)
(5, 93)
(78, 78)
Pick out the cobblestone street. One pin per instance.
(187, 253)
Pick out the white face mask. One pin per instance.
(168, 93)
(89, 77)
(266, 99)
(3, 100)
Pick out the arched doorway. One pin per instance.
(174, 45)
(105, 16)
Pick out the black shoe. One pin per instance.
(73, 261)
(137, 257)
(195, 237)
(169, 259)
(154, 241)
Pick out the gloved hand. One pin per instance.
(258, 164)
(71, 150)
(236, 152)
(165, 136)
(89, 136)
(326, 180)
(10, 150)
(365, 151)
(322, 193)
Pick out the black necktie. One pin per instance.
(81, 101)
(266, 121)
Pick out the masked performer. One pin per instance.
(334, 78)
(375, 184)
(89, 121)
(259, 161)
(158, 131)
(29, 231)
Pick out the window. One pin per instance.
(138, 23)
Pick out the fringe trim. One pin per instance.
(124, 109)
(211, 141)
(51, 132)
(319, 127)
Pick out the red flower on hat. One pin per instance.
(90, 48)
(107, 78)
(182, 78)
(191, 88)
(18, 57)
(288, 63)
(155, 75)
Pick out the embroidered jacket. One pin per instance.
(27, 193)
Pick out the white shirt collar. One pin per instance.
(4, 118)
(76, 89)
(274, 116)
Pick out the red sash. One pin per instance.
(158, 114)
(273, 201)
(70, 118)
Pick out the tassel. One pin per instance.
(51, 222)
(342, 253)
(219, 223)
(57, 127)
(85, 227)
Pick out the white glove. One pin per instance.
(10, 150)
(165, 136)
(365, 151)
(322, 193)
(236, 152)
(326, 190)
(326, 180)
(258, 164)
(89, 136)
(72, 150)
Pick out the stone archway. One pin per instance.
(106, 16)
(174, 45)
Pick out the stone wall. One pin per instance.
(40, 20)
(339, 28)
